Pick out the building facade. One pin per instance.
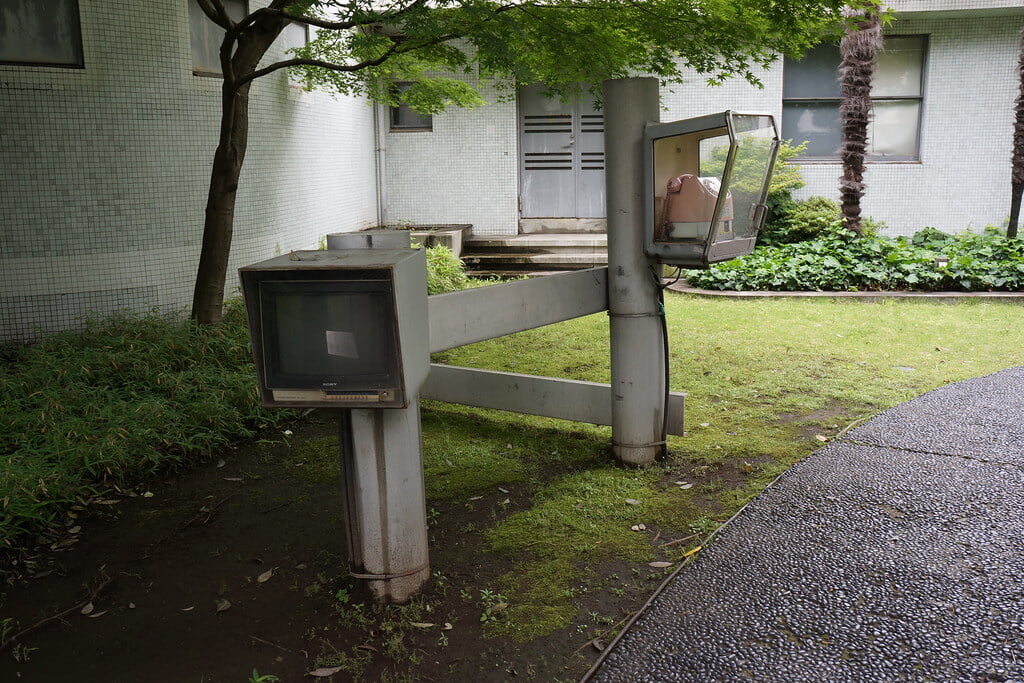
(107, 135)
(945, 93)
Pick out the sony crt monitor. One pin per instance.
(338, 328)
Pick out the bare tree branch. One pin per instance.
(395, 49)
(214, 9)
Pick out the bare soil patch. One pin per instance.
(238, 565)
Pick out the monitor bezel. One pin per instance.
(276, 379)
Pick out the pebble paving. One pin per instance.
(895, 553)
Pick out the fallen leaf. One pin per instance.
(639, 527)
(223, 604)
(87, 608)
(659, 565)
(821, 438)
(447, 626)
(449, 462)
(598, 645)
(421, 624)
(368, 648)
(685, 486)
(632, 501)
(221, 463)
(324, 672)
(131, 605)
(188, 609)
(232, 479)
(476, 498)
(705, 424)
(508, 446)
(265, 576)
(74, 529)
(503, 490)
(691, 552)
(109, 501)
(98, 614)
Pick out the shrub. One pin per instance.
(445, 271)
(842, 261)
(127, 397)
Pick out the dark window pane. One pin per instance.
(816, 123)
(40, 32)
(405, 117)
(207, 36)
(814, 76)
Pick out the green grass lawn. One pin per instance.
(768, 381)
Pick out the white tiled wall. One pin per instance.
(465, 170)
(104, 171)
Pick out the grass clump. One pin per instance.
(86, 411)
(445, 271)
(838, 260)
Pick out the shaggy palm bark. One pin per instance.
(856, 69)
(1017, 163)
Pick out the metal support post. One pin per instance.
(384, 498)
(637, 351)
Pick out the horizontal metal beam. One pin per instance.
(566, 399)
(472, 315)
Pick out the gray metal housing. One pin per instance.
(405, 269)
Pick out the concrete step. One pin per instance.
(510, 261)
(548, 243)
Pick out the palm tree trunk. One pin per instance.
(856, 69)
(1017, 162)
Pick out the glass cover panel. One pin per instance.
(814, 76)
(687, 175)
(325, 335)
(900, 66)
(755, 149)
(816, 123)
(893, 130)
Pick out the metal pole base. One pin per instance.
(386, 519)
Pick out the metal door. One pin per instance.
(562, 157)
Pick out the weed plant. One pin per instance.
(115, 403)
(838, 260)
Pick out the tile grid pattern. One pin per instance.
(104, 172)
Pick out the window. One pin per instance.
(207, 36)
(294, 36)
(404, 117)
(810, 100)
(40, 33)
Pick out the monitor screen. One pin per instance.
(329, 335)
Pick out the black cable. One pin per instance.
(665, 348)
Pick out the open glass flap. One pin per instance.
(705, 183)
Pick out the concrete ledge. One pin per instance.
(941, 297)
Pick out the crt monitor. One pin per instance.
(328, 336)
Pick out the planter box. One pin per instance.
(451, 236)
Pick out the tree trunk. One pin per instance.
(857, 49)
(237, 60)
(1017, 162)
(208, 297)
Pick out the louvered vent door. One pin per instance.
(562, 157)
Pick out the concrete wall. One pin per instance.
(104, 171)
